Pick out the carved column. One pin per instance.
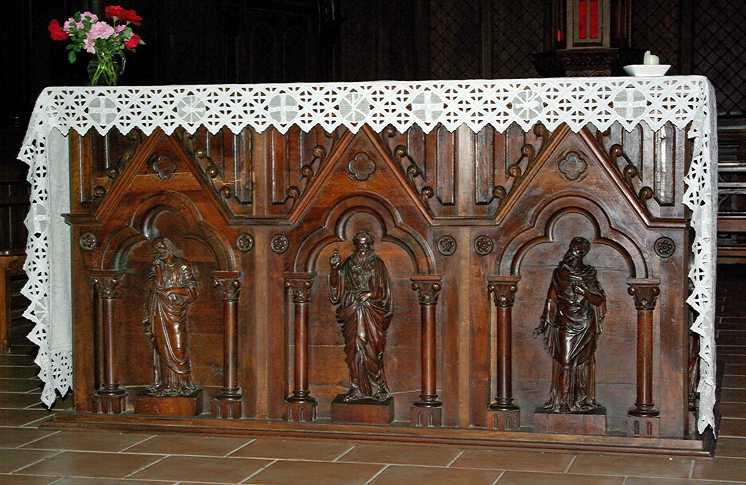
(109, 398)
(502, 414)
(643, 418)
(427, 411)
(301, 406)
(227, 404)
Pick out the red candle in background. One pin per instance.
(594, 19)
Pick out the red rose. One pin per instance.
(56, 31)
(132, 17)
(121, 14)
(113, 11)
(133, 42)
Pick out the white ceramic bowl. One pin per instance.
(646, 69)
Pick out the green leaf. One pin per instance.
(71, 56)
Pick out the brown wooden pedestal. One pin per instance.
(592, 423)
(190, 405)
(369, 411)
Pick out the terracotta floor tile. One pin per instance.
(514, 460)
(15, 437)
(315, 473)
(84, 464)
(18, 400)
(87, 441)
(672, 481)
(20, 417)
(294, 449)
(638, 466)
(189, 445)
(720, 469)
(109, 481)
(14, 459)
(397, 475)
(733, 427)
(202, 469)
(731, 447)
(535, 478)
(27, 480)
(402, 454)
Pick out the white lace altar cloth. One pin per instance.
(681, 100)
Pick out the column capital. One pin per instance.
(427, 287)
(228, 284)
(300, 285)
(645, 292)
(503, 289)
(106, 282)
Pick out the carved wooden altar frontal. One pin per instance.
(470, 227)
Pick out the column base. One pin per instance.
(188, 406)
(643, 426)
(591, 423)
(109, 401)
(428, 417)
(504, 419)
(300, 410)
(226, 406)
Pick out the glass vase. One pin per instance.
(105, 69)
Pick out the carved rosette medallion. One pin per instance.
(447, 245)
(645, 296)
(573, 167)
(362, 166)
(427, 292)
(88, 241)
(245, 243)
(664, 247)
(280, 243)
(503, 293)
(301, 290)
(483, 245)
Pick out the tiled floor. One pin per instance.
(31, 455)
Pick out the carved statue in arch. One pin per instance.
(571, 323)
(361, 288)
(172, 289)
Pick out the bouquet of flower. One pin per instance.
(105, 40)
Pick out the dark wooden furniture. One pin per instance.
(470, 225)
(11, 301)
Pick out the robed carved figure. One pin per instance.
(361, 288)
(572, 323)
(172, 289)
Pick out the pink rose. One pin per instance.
(101, 30)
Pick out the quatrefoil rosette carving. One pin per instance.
(362, 166)
(573, 167)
